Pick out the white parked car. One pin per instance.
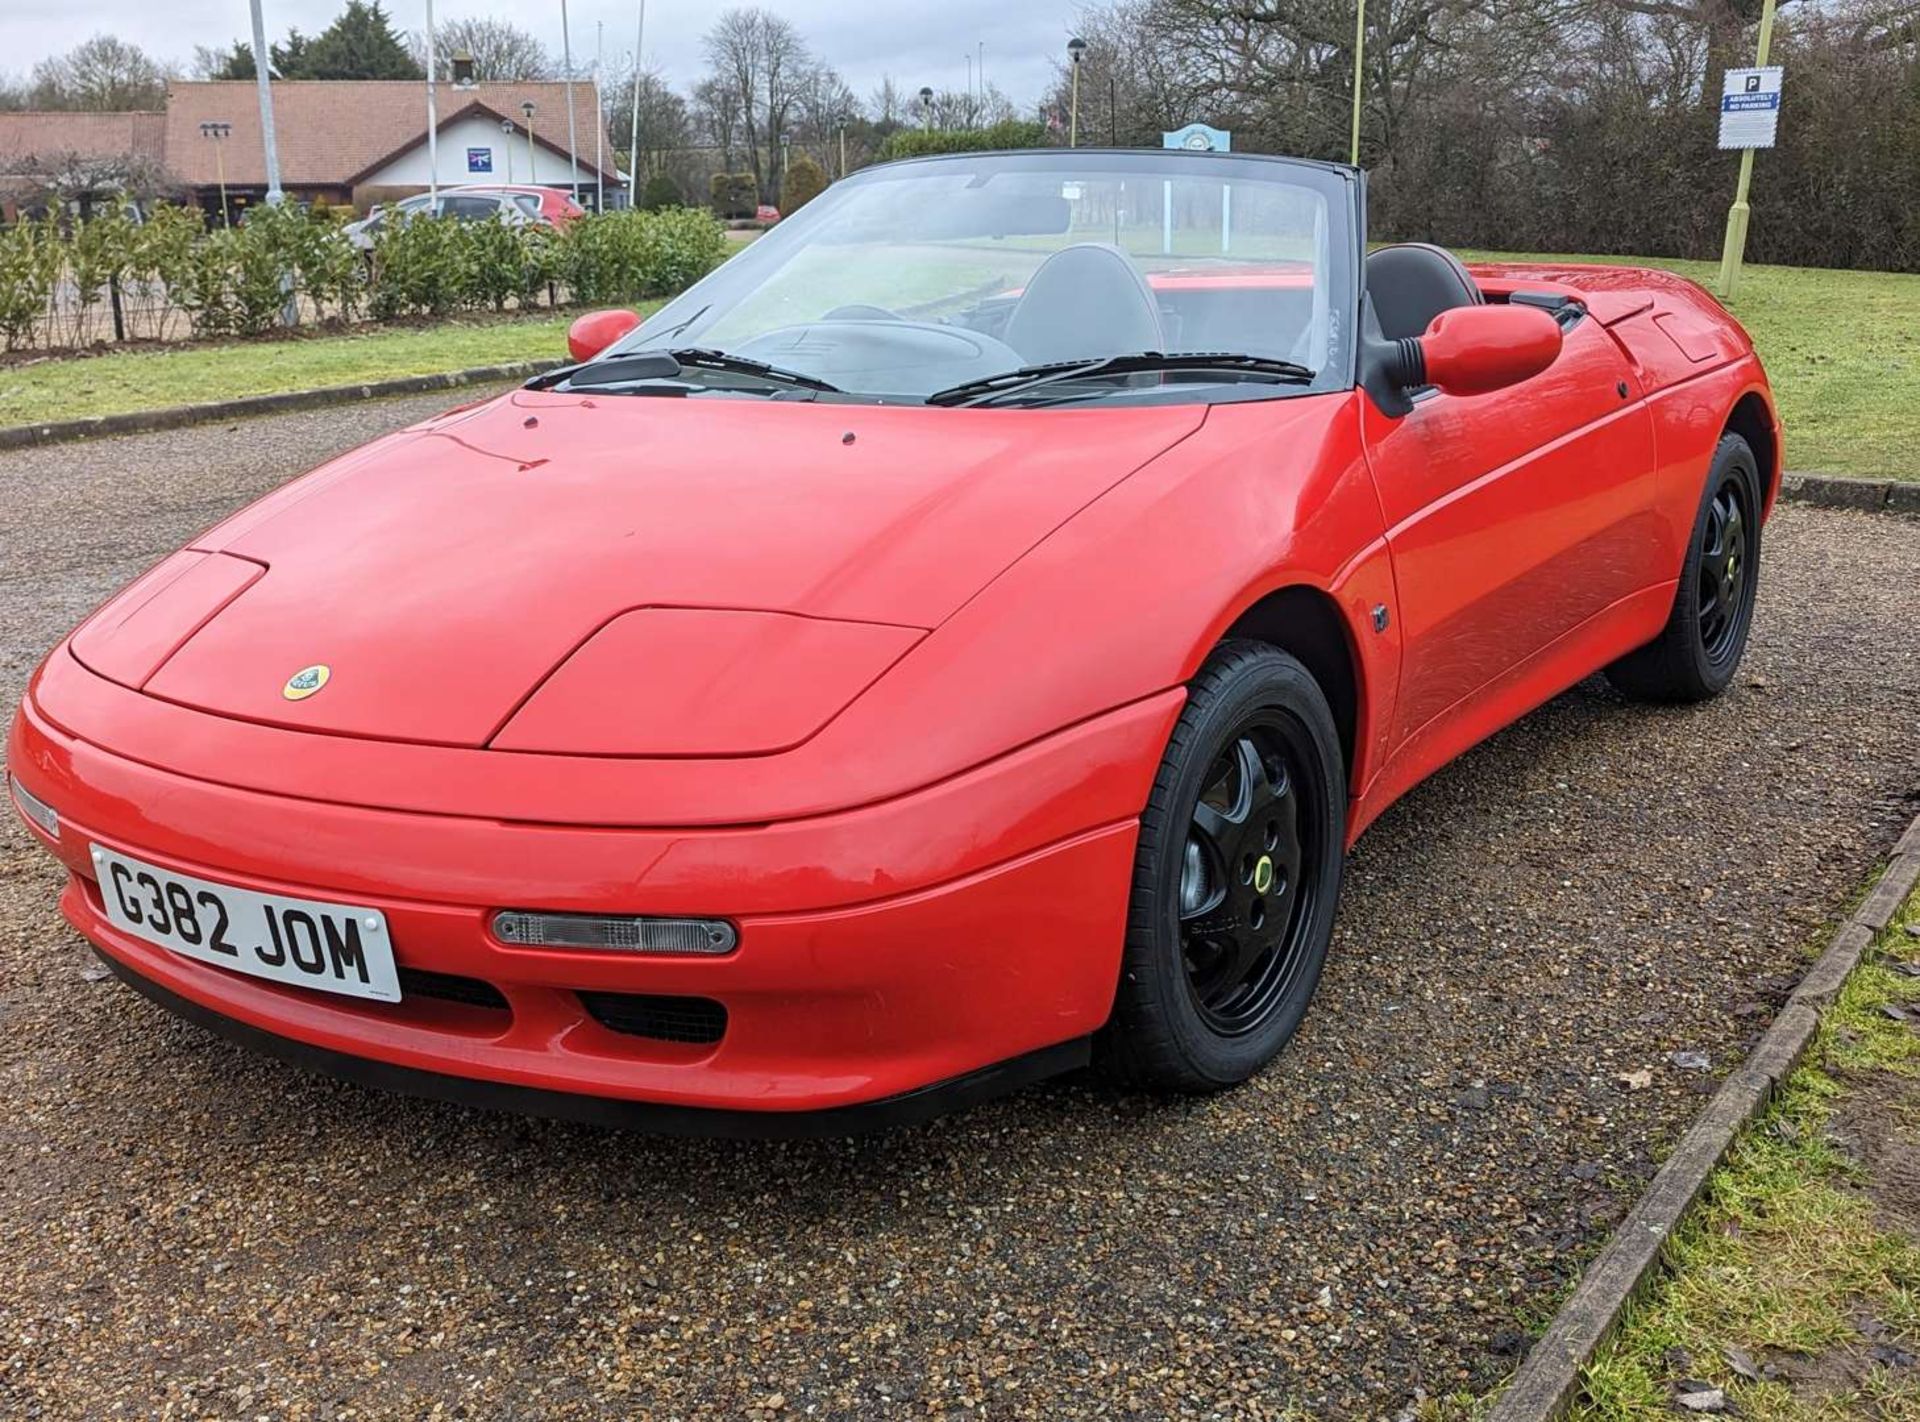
(511, 203)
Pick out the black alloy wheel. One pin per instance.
(1236, 876)
(1245, 893)
(1698, 651)
(1723, 569)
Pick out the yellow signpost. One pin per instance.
(1735, 248)
(1359, 52)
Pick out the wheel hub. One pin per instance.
(1723, 565)
(1240, 882)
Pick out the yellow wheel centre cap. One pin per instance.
(1263, 874)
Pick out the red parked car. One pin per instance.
(954, 642)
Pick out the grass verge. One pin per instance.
(66, 388)
(1794, 1265)
(1842, 350)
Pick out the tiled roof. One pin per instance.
(333, 131)
(29, 137)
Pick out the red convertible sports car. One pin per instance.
(955, 642)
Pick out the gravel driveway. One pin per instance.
(188, 1231)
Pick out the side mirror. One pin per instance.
(1471, 350)
(595, 331)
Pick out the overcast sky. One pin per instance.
(917, 42)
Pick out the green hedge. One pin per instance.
(917, 142)
(55, 278)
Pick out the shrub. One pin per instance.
(627, 256)
(30, 259)
(237, 281)
(913, 142)
(161, 259)
(317, 262)
(419, 266)
(685, 245)
(734, 195)
(804, 182)
(203, 286)
(660, 192)
(97, 253)
(539, 263)
(494, 263)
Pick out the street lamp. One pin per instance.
(217, 133)
(1076, 50)
(533, 166)
(506, 142)
(926, 108)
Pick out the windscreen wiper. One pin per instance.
(669, 365)
(1027, 378)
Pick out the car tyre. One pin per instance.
(1236, 876)
(1696, 655)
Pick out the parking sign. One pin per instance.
(1750, 107)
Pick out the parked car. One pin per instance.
(1040, 569)
(478, 203)
(766, 213)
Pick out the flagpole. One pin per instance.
(633, 173)
(264, 79)
(433, 124)
(573, 143)
(600, 119)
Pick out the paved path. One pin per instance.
(186, 1230)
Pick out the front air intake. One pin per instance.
(449, 987)
(699, 1021)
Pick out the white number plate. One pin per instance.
(332, 947)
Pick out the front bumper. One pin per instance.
(867, 975)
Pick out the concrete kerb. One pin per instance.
(1548, 1382)
(180, 416)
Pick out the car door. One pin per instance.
(1512, 517)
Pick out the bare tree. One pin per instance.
(104, 74)
(887, 107)
(501, 52)
(718, 115)
(665, 122)
(757, 68)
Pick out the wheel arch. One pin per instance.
(1307, 623)
(1752, 418)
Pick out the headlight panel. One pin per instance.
(615, 933)
(38, 812)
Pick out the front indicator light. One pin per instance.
(37, 811)
(620, 935)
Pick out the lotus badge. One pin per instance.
(306, 681)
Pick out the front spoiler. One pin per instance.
(890, 1113)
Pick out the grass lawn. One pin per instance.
(1796, 1281)
(1842, 348)
(72, 387)
(1843, 352)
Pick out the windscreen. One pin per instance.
(908, 279)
